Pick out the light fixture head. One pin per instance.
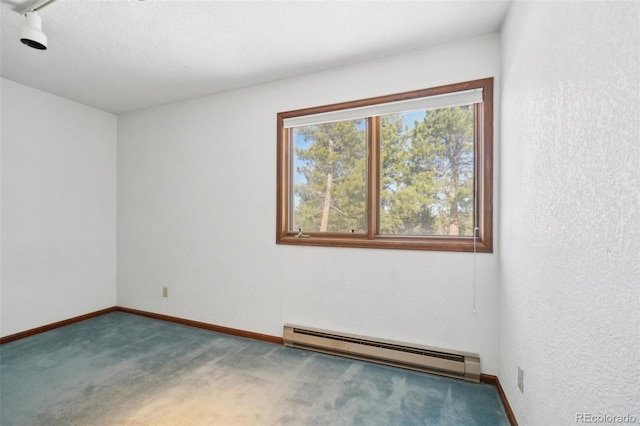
(32, 34)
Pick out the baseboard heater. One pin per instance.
(462, 365)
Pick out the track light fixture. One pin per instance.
(32, 34)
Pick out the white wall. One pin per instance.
(570, 217)
(58, 208)
(196, 213)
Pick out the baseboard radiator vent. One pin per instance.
(462, 365)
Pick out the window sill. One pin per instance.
(459, 244)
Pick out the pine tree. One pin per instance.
(333, 198)
(405, 191)
(442, 146)
(426, 175)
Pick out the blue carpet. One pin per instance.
(123, 369)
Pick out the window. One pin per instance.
(407, 171)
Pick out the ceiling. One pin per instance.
(125, 55)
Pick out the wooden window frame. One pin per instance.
(483, 175)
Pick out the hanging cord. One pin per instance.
(475, 253)
(476, 230)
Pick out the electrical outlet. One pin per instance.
(165, 292)
(521, 380)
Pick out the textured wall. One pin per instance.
(58, 208)
(570, 210)
(196, 213)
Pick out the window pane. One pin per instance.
(329, 182)
(426, 182)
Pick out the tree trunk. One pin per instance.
(324, 221)
(454, 220)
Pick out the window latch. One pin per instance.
(301, 235)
